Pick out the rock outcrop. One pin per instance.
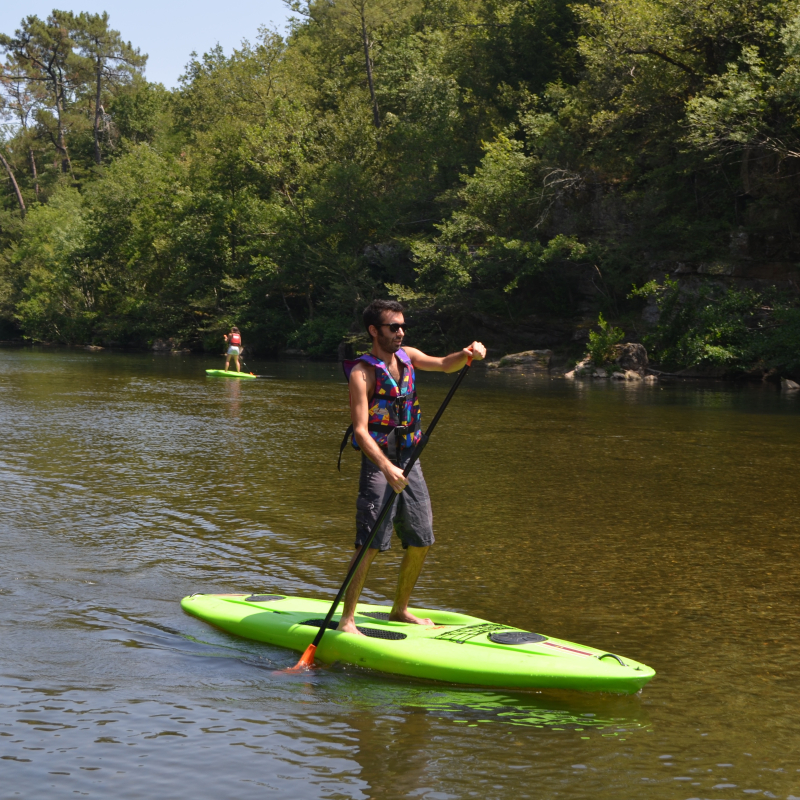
(526, 361)
(628, 375)
(630, 365)
(632, 357)
(169, 346)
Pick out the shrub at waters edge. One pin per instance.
(718, 326)
(602, 343)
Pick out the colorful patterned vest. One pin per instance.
(393, 410)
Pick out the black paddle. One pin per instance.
(307, 659)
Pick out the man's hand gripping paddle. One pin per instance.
(307, 659)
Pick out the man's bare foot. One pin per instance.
(349, 626)
(407, 616)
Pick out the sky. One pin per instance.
(168, 31)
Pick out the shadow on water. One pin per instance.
(572, 711)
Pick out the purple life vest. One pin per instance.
(393, 410)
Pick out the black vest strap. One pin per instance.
(377, 427)
(342, 446)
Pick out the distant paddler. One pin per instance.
(235, 348)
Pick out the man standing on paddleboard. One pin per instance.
(386, 427)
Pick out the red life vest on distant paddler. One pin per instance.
(393, 410)
(236, 339)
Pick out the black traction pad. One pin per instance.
(373, 633)
(516, 637)
(384, 615)
(465, 633)
(264, 598)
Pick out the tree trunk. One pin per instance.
(14, 184)
(744, 171)
(288, 310)
(34, 172)
(61, 141)
(66, 164)
(98, 157)
(376, 117)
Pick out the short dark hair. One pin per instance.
(234, 329)
(373, 313)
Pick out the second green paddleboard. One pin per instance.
(224, 373)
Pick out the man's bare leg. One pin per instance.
(347, 622)
(413, 559)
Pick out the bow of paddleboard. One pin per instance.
(224, 373)
(458, 648)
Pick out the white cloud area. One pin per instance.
(167, 31)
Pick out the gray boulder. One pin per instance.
(632, 356)
(630, 364)
(586, 369)
(527, 361)
(169, 346)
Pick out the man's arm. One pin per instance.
(360, 391)
(451, 363)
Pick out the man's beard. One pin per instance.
(389, 344)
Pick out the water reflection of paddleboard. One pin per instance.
(457, 649)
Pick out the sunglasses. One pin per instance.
(395, 326)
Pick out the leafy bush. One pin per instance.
(714, 326)
(57, 296)
(320, 337)
(602, 343)
(779, 343)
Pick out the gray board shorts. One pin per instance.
(411, 514)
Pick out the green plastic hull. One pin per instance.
(224, 373)
(457, 650)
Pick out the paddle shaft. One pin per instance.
(388, 504)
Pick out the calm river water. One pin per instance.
(655, 522)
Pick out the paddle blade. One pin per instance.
(306, 660)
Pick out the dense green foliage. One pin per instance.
(712, 326)
(603, 342)
(490, 159)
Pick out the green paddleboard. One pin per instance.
(224, 373)
(458, 649)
